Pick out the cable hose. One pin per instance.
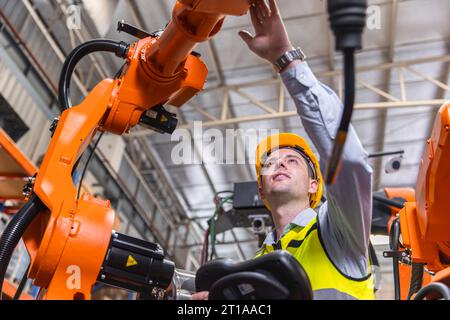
(20, 222)
(98, 45)
(416, 279)
(394, 236)
(389, 202)
(22, 283)
(349, 100)
(14, 231)
(374, 263)
(92, 152)
(436, 287)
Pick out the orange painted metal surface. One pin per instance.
(442, 276)
(425, 223)
(72, 235)
(234, 7)
(163, 70)
(433, 189)
(9, 290)
(48, 236)
(405, 279)
(404, 193)
(433, 185)
(84, 251)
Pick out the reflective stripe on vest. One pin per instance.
(327, 281)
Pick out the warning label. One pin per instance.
(131, 261)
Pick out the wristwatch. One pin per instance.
(288, 57)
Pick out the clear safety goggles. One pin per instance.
(269, 169)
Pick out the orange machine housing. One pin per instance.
(429, 226)
(425, 221)
(72, 235)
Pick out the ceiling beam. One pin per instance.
(381, 134)
(285, 114)
(240, 252)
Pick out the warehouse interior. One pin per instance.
(402, 79)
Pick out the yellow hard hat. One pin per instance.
(290, 140)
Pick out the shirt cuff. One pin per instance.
(301, 73)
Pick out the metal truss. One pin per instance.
(390, 101)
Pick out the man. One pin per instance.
(332, 245)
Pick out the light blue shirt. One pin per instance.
(345, 218)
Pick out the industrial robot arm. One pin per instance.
(64, 234)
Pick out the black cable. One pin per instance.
(119, 72)
(374, 262)
(394, 238)
(435, 287)
(349, 99)
(213, 240)
(116, 76)
(385, 153)
(14, 231)
(98, 45)
(207, 247)
(416, 279)
(22, 283)
(388, 202)
(92, 151)
(204, 256)
(373, 255)
(347, 21)
(20, 222)
(220, 201)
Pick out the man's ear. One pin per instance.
(313, 186)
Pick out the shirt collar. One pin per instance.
(302, 220)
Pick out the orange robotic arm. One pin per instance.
(424, 222)
(70, 238)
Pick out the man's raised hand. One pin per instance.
(271, 39)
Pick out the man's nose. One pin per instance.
(280, 163)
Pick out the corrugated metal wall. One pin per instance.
(34, 143)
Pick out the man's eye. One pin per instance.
(292, 161)
(268, 164)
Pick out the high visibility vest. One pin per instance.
(327, 281)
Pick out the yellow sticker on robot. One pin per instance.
(131, 261)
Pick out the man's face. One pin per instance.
(285, 173)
